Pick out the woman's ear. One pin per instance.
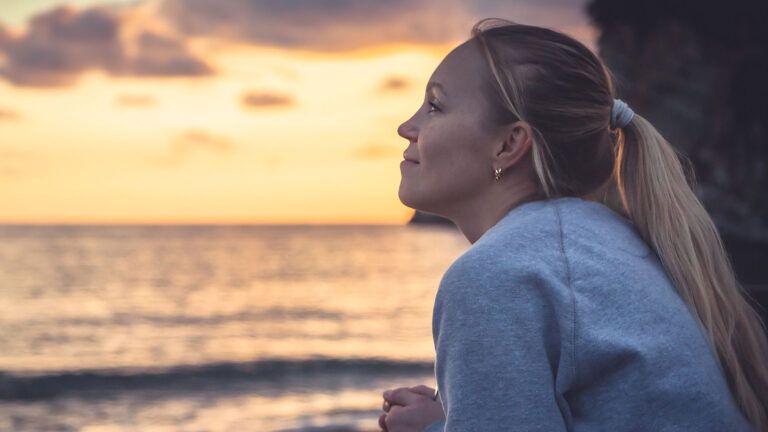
(516, 141)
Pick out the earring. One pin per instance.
(497, 174)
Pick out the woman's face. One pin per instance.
(449, 138)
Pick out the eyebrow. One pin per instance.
(436, 84)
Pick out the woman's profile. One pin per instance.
(596, 294)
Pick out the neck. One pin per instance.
(477, 217)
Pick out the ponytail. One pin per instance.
(657, 196)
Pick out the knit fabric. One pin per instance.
(561, 318)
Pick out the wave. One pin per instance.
(211, 376)
(124, 319)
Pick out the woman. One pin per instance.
(596, 295)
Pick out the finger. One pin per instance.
(382, 424)
(388, 391)
(401, 396)
(394, 419)
(423, 390)
(385, 406)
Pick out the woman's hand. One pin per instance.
(410, 409)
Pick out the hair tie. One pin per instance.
(621, 114)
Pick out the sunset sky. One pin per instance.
(238, 111)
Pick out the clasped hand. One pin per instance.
(409, 409)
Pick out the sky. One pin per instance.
(244, 111)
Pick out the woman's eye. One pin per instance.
(433, 106)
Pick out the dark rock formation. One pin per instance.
(429, 218)
(697, 70)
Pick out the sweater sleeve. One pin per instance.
(498, 348)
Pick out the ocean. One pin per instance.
(214, 328)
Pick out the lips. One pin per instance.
(409, 159)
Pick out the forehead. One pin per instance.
(461, 70)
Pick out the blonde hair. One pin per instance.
(565, 93)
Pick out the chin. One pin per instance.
(404, 198)
(411, 199)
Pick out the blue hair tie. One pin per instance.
(621, 114)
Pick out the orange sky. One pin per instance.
(271, 134)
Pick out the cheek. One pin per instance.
(457, 145)
(445, 136)
(454, 162)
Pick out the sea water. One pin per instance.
(214, 328)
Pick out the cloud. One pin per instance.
(375, 151)
(323, 25)
(8, 115)
(135, 100)
(160, 55)
(264, 99)
(567, 16)
(191, 142)
(137, 40)
(393, 84)
(547, 13)
(196, 139)
(5, 37)
(63, 42)
(339, 25)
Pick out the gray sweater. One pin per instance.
(561, 318)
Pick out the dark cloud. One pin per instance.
(5, 37)
(135, 100)
(567, 16)
(264, 99)
(59, 44)
(394, 84)
(338, 25)
(518, 10)
(325, 25)
(63, 42)
(160, 55)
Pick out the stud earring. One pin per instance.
(497, 174)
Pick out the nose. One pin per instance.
(408, 130)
